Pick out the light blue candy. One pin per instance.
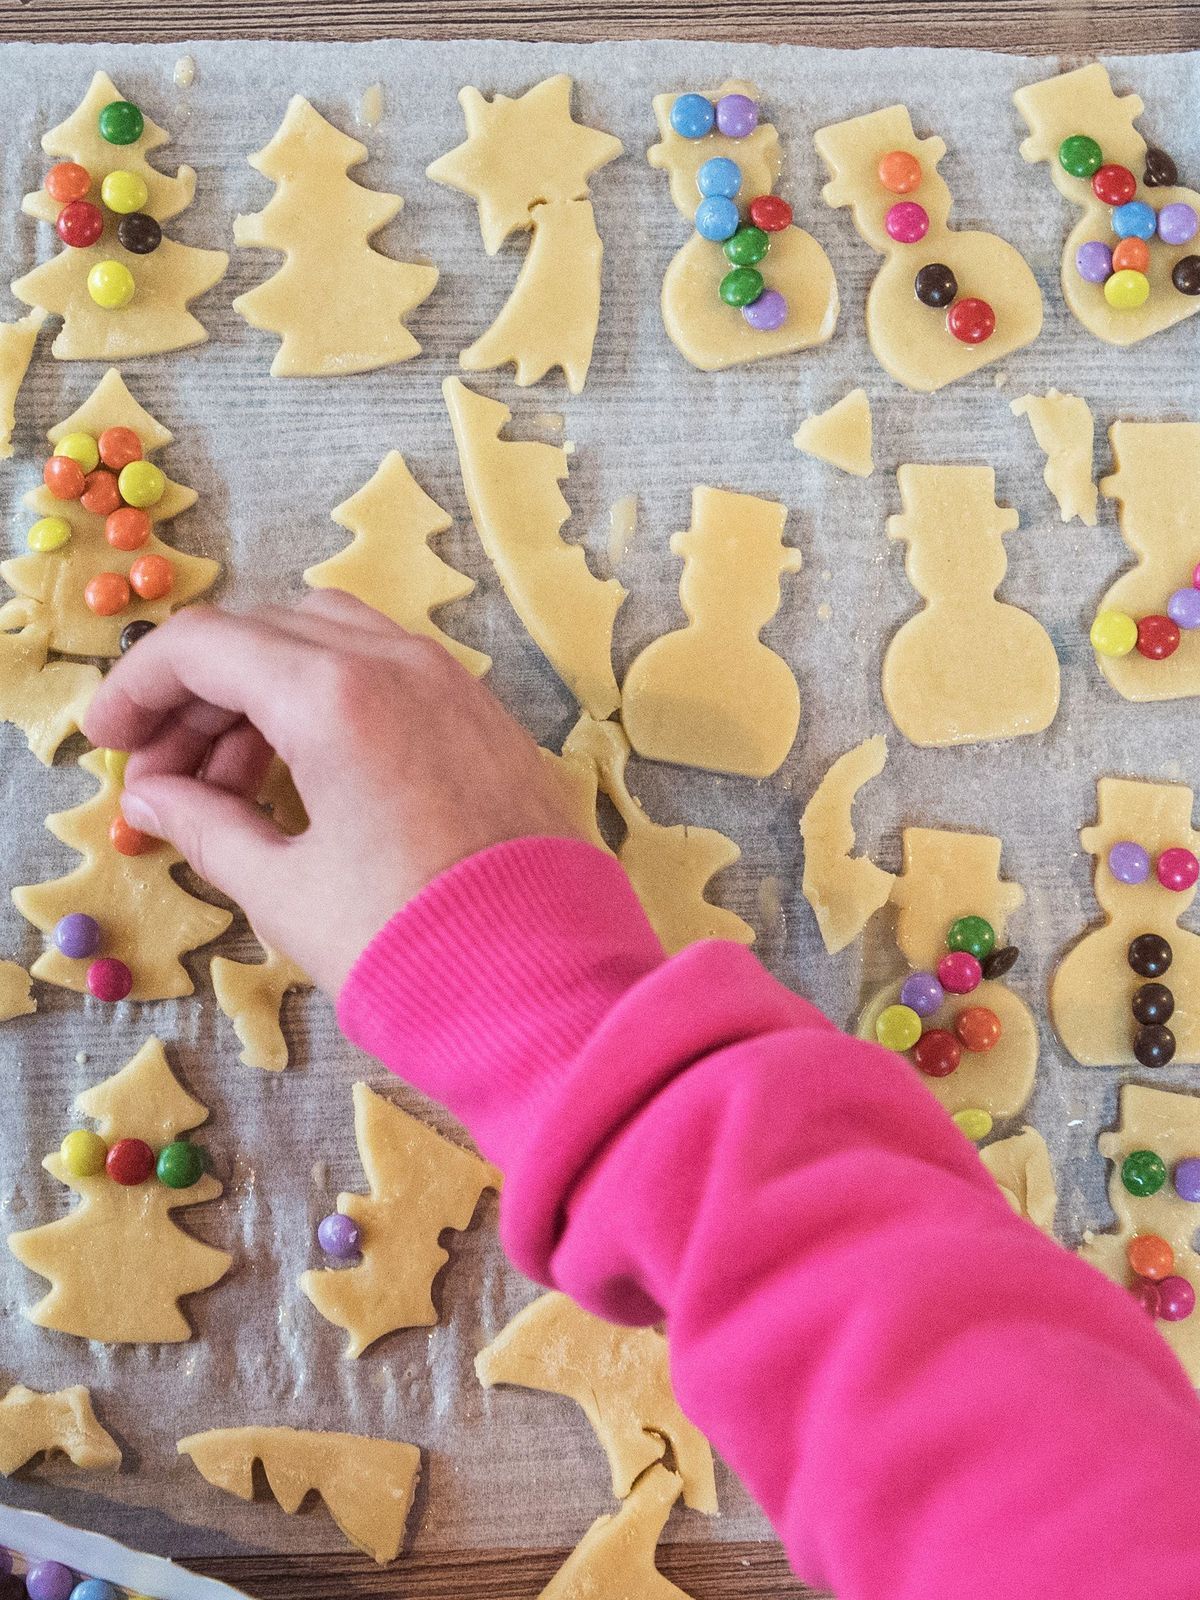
(95, 1589)
(719, 176)
(692, 116)
(717, 218)
(1134, 220)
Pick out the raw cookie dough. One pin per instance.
(117, 1264)
(840, 436)
(1083, 102)
(389, 563)
(706, 331)
(711, 694)
(57, 579)
(1064, 429)
(911, 341)
(251, 996)
(619, 1376)
(1024, 1176)
(15, 997)
(968, 667)
(147, 920)
(157, 318)
(337, 304)
(615, 1557)
(33, 1424)
(1155, 481)
(420, 1185)
(1169, 1125)
(1094, 984)
(46, 702)
(367, 1484)
(518, 511)
(17, 340)
(844, 890)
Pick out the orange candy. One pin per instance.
(100, 493)
(118, 447)
(151, 577)
(106, 594)
(127, 840)
(899, 172)
(1131, 255)
(977, 1029)
(68, 181)
(63, 477)
(127, 528)
(1151, 1257)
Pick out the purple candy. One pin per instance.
(1183, 608)
(922, 993)
(768, 312)
(1177, 223)
(78, 935)
(339, 1235)
(1187, 1179)
(49, 1580)
(737, 115)
(1128, 862)
(1093, 261)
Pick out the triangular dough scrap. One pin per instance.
(840, 436)
(1022, 1170)
(17, 340)
(251, 994)
(1065, 430)
(16, 1000)
(615, 1558)
(367, 1484)
(620, 1378)
(33, 1424)
(844, 890)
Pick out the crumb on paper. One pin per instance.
(568, 446)
(824, 611)
(622, 525)
(184, 74)
(370, 106)
(1000, 379)
(82, 1058)
(548, 421)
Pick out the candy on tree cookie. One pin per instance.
(34, 1424)
(117, 1263)
(16, 1000)
(527, 162)
(17, 340)
(46, 701)
(337, 303)
(616, 1554)
(748, 284)
(944, 302)
(840, 436)
(121, 287)
(1064, 429)
(1131, 264)
(844, 890)
(1024, 1176)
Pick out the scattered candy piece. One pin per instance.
(1136, 220)
(937, 1053)
(1128, 862)
(1177, 223)
(898, 1028)
(139, 234)
(1187, 1179)
(109, 979)
(1157, 637)
(719, 176)
(115, 762)
(124, 192)
(132, 632)
(922, 993)
(63, 477)
(1185, 274)
(1113, 185)
(974, 934)
(1154, 1046)
(120, 122)
(151, 577)
(1131, 255)
(1160, 171)
(1149, 1256)
(49, 1580)
(770, 212)
(100, 493)
(1126, 291)
(977, 1029)
(180, 1164)
(106, 594)
(95, 1589)
(737, 115)
(692, 116)
(1093, 261)
(83, 1153)
(1114, 633)
(1143, 1173)
(80, 448)
(1177, 869)
(339, 1236)
(48, 533)
(742, 287)
(906, 222)
(1080, 155)
(141, 483)
(747, 247)
(1000, 962)
(77, 935)
(971, 321)
(1152, 1003)
(127, 840)
(129, 1162)
(1183, 608)
(68, 181)
(959, 972)
(768, 312)
(1149, 955)
(127, 528)
(935, 285)
(1176, 1299)
(80, 224)
(118, 447)
(899, 172)
(111, 285)
(974, 1122)
(1146, 1295)
(717, 218)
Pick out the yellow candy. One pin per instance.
(83, 1153)
(1114, 633)
(80, 447)
(898, 1028)
(1127, 290)
(115, 762)
(141, 483)
(124, 192)
(975, 1123)
(48, 533)
(110, 285)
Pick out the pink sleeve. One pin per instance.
(927, 1396)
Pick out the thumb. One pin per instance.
(224, 838)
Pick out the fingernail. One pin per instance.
(138, 814)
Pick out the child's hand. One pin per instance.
(404, 762)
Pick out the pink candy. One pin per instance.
(1176, 1299)
(959, 972)
(109, 979)
(907, 222)
(1177, 869)
(1146, 1295)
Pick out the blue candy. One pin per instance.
(719, 176)
(692, 116)
(717, 218)
(1134, 220)
(95, 1589)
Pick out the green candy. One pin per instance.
(972, 934)
(1080, 156)
(1143, 1173)
(747, 247)
(180, 1165)
(741, 287)
(121, 122)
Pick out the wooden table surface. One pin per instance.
(1052, 27)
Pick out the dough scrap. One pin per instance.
(1093, 985)
(17, 340)
(1022, 1170)
(33, 1424)
(518, 510)
(117, 1263)
(420, 1185)
(911, 341)
(840, 436)
(955, 561)
(711, 694)
(337, 303)
(1168, 1124)
(1064, 428)
(16, 1000)
(1156, 476)
(620, 1378)
(251, 996)
(844, 890)
(389, 563)
(157, 319)
(615, 1557)
(46, 702)
(147, 920)
(1083, 102)
(56, 580)
(367, 1484)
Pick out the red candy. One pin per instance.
(1113, 185)
(971, 321)
(106, 594)
(1157, 637)
(151, 577)
(127, 840)
(64, 478)
(118, 447)
(68, 181)
(127, 528)
(100, 493)
(937, 1053)
(959, 972)
(80, 224)
(129, 1162)
(109, 979)
(770, 213)
(977, 1029)
(1146, 1295)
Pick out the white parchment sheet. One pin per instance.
(270, 458)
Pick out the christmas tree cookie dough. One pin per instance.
(16, 999)
(147, 921)
(968, 667)
(527, 163)
(1024, 1176)
(518, 510)
(336, 303)
(1146, 633)
(46, 702)
(120, 286)
(844, 890)
(34, 1424)
(389, 564)
(616, 1555)
(1131, 264)
(840, 436)
(747, 284)
(1064, 429)
(619, 1376)
(118, 1264)
(711, 694)
(367, 1484)
(420, 1185)
(944, 303)
(17, 340)
(1129, 991)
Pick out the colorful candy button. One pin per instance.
(95, 1589)
(127, 840)
(83, 1153)
(68, 181)
(1149, 955)
(64, 478)
(80, 448)
(1177, 869)
(339, 1236)
(180, 1165)
(1136, 220)
(741, 287)
(100, 493)
(151, 577)
(974, 934)
(106, 594)
(1128, 862)
(737, 115)
(129, 1162)
(971, 321)
(79, 224)
(717, 218)
(719, 176)
(768, 312)
(1183, 608)
(1186, 1178)
(1157, 637)
(1185, 275)
(109, 979)
(120, 122)
(937, 1053)
(77, 935)
(898, 1027)
(978, 1029)
(1127, 290)
(141, 483)
(1131, 255)
(139, 234)
(1152, 1004)
(770, 212)
(899, 172)
(1143, 1173)
(1114, 633)
(127, 528)
(974, 1122)
(1113, 185)
(935, 285)
(132, 632)
(959, 972)
(1146, 1295)
(1154, 1047)
(115, 762)
(118, 447)
(48, 533)
(922, 993)
(1177, 223)
(1160, 172)
(1094, 261)
(1150, 1257)
(49, 1580)
(906, 222)
(1000, 962)
(1080, 155)
(111, 285)
(692, 116)
(747, 248)
(1176, 1299)
(124, 192)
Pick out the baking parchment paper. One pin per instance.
(271, 457)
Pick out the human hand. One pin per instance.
(405, 765)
